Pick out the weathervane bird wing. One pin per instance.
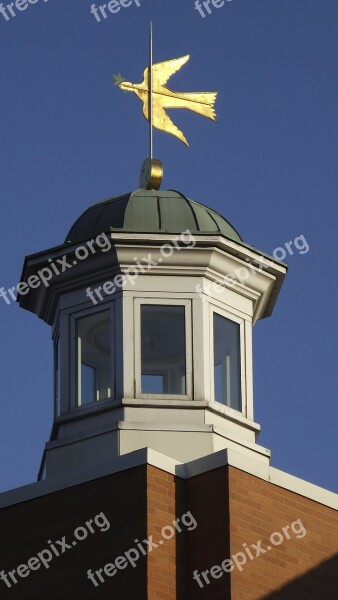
(162, 121)
(164, 70)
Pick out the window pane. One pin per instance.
(57, 358)
(88, 384)
(163, 349)
(153, 384)
(94, 351)
(227, 380)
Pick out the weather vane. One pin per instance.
(156, 97)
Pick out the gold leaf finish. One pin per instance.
(162, 97)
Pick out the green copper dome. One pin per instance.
(150, 211)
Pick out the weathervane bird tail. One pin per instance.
(163, 98)
(201, 103)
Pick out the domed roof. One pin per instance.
(150, 211)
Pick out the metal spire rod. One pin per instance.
(151, 89)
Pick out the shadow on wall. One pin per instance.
(320, 583)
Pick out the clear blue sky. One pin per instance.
(69, 138)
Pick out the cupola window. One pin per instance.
(94, 358)
(57, 381)
(163, 349)
(227, 375)
(164, 359)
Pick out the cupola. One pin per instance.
(151, 299)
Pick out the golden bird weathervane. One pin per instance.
(156, 97)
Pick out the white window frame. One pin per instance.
(75, 373)
(138, 302)
(215, 309)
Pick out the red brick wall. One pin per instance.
(165, 504)
(207, 498)
(231, 508)
(235, 510)
(26, 527)
(138, 503)
(305, 568)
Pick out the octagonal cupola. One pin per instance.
(151, 300)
